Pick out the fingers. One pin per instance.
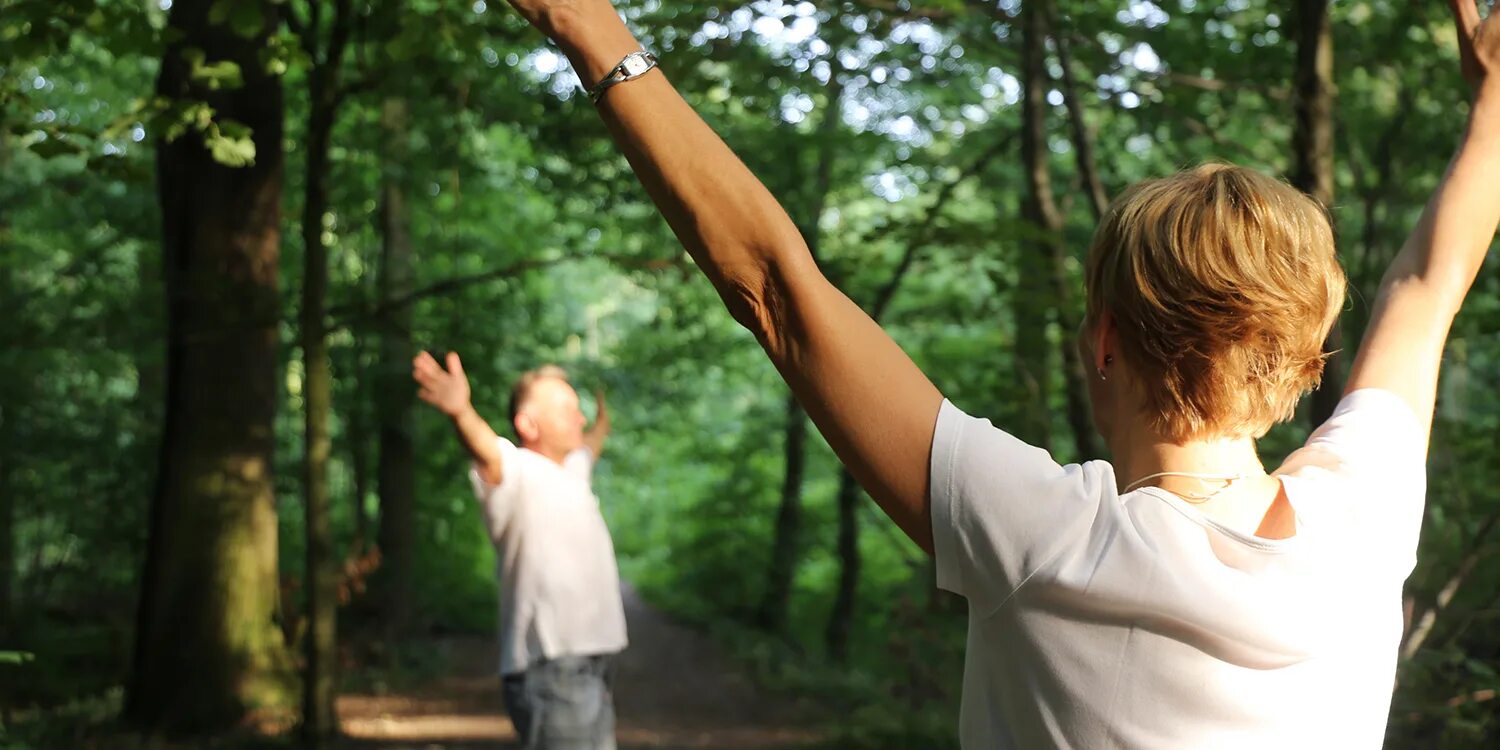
(428, 395)
(424, 362)
(427, 372)
(455, 366)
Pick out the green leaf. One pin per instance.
(247, 20)
(224, 74)
(219, 12)
(231, 144)
(16, 657)
(280, 53)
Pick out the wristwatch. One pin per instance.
(633, 66)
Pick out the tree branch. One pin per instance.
(293, 22)
(349, 314)
(362, 85)
(1424, 623)
(912, 9)
(1083, 140)
(1217, 85)
(314, 25)
(993, 10)
(921, 233)
(338, 37)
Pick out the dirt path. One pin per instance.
(673, 690)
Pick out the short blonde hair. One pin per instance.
(522, 389)
(1223, 283)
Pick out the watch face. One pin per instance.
(635, 65)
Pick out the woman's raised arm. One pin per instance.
(868, 398)
(1431, 275)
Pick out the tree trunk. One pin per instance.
(1312, 144)
(787, 540)
(318, 685)
(7, 524)
(208, 651)
(1045, 260)
(1083, 138)
(395, 477)
(359, 459)
(7, 528)
(842, 617)
(786, 544)
(8, 418)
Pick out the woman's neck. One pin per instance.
(1142, 454)
(1252, 503)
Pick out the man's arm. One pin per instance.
(876, 408)
(1429, 278)
(448, 391)
(596, 435)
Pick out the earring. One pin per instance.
(1100, 370)
(1108, 358)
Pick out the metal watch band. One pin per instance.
(635, 65)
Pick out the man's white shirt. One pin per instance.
(559, 583)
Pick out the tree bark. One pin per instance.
(8, 417)
(319, 686)
(208, 651)
(1083, 138)
(787, 539)
(1312, 172)
(395, 476)
(788, 531)
(1045, 261)
(7, 524)
(1375, 190)
(1031, 299)
(359, 459)
(841, 619)
(319, 721)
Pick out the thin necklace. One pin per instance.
(1227, 479)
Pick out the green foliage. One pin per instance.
(244, 16)
(213, 76)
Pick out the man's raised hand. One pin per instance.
(448, 390)
(596, 435)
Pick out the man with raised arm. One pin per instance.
(1179, 595)
(561, 618)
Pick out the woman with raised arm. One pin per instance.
(1180, 596)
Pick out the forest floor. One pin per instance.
(674, 688)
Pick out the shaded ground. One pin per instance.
(674, 689)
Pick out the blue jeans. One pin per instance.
(563, 704)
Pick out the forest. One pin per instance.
(227, 227)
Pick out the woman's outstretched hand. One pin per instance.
(1428, 279)
(1478, 43)
(589, 32)
(556, 18)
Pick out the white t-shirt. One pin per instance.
(1098, 620)
(559, 585)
